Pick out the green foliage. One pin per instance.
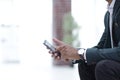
(71, 30)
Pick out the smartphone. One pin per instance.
(51, 47)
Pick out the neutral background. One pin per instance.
(25, 24)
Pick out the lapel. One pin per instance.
(107, 19)
(116, 7)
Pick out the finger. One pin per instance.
(58, 42)
(52, 55)
(59, 48)
(50, 52)
(57, 58)
(56, 54)
(63, 49)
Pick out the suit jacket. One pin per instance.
(103, 50)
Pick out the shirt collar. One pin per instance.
(111, 5)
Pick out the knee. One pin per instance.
(103, 66)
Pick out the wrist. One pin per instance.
(82, 56)
(81, 52)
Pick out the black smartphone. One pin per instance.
(51, 47)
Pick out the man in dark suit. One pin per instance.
(101, 62)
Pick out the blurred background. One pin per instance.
(25, 24)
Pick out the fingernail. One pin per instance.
(55, 54)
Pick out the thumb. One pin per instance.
(58, 42)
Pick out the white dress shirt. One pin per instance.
(110, 9)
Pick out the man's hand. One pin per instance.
(67, 52)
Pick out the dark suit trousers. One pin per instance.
(103, 70)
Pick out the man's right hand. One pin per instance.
(66, 51)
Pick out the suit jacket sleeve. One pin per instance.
(95, 55)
